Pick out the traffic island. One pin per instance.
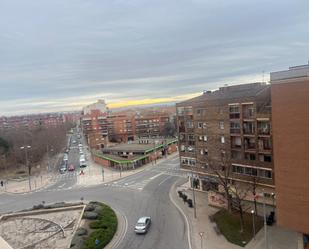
(98, 227)
(228, 224)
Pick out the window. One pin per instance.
(265, 173)
(201, 111)
(205, 138)
(182, 148)
(206, 152)
(222, 139)
(200, 138)
(191, 137)
(204, 125)
(190, 124)
(250, 156)
(188, 161)
(223, 154)
(180, 110)
(234, 112)
(199, 125)
(221, 125)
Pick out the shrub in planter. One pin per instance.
(90, 207)
(90, 215)
(81, 231)
(179, 193)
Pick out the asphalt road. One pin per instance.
(142, 194)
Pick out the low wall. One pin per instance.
(101, 161)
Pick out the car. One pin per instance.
(142, 225)
(74, 141)
(65, 157)
(62, 169)
(71, 167)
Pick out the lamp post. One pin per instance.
(26, 148)
(253, 223)
(265, 223)
(193, 192)
(201, 236)
(273, 197)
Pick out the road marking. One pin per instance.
(151, 178)
(61, 185)
(164, 180)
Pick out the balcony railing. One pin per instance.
(235, 130)
(234, 115)
(263, 131)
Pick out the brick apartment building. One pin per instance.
(101, 126)
(35, 120)
(150, 125)
(290, 108)
(95, 128)
(121, 127)
(228, 129)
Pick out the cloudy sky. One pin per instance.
(59, 55)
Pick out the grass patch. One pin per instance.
(229, 225)
(102, 228)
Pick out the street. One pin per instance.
(143, 194)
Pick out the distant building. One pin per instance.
(99, 105)
(290, 115)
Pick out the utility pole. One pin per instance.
(27, 163)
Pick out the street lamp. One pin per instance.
(26, 148)
(253, 223)
(273, 197)
(201, 236)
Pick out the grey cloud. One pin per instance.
(53, 50)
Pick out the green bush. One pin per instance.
(104, 227)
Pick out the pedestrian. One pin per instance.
(1, 183)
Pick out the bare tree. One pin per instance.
(239, 194)
(223, 177)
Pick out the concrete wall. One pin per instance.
(290, 114)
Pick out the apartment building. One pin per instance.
(95, 129)
(153, 125)
(121, 127)
(290, 104)
(228, 130)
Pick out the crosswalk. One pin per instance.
(131, 184)
(65, 176)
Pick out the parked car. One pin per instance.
(63, 169)
(71, 167)
(142, 225)
(65, 157)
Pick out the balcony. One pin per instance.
(248, 128)
(236, 143)
(235, 115)
(265, 145)
(263, 127)
(248, 111)
(250, 144)
(235, 128)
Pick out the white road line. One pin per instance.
(61, 185)
(164, 180)
(151, 178)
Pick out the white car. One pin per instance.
(142, 225)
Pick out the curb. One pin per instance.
(122, 228)
(173, 189)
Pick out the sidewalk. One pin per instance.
(22, 185)
(279, 238)
(93, 172)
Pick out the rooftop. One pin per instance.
(300, 72)
(230, 92)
